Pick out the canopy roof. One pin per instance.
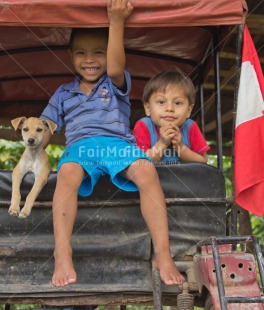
(83, 13)
(159, 35)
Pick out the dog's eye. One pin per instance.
(39, 129)
(25, 129)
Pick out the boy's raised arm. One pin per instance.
(118, 12)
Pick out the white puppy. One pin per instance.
(34, 159)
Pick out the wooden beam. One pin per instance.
(225, 118)
(12, 110)
(224, 87)
(255, 23)
(11, 135)
(227, 151)
(209, 103)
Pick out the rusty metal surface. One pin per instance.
(239, 276)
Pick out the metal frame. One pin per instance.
(214, 242)
(234, 208)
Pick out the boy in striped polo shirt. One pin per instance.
(95, 110)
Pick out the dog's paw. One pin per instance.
(14, 210)
(24, 213)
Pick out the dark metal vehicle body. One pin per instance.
(111, 244)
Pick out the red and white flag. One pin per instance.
(249, 135)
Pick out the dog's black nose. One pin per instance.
(31, 141)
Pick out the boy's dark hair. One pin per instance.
(169, 78)
(93, 31)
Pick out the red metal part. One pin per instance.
(239, 276)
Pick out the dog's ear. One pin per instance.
(18, 122)
(50, 125)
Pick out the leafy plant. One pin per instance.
(257, 224)
(54, 152)
(10, 153)
(212, 160)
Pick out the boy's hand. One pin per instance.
(177, 138)
(119, 10)
(167, 132)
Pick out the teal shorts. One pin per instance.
(103, 155)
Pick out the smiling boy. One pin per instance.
(95, 111)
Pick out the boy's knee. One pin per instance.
(148, 173)
(70, 173)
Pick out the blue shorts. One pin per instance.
(103, 155)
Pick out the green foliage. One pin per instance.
(24, 307)
(212, 160)
(257, 224)
(10, 153)
(54, 152)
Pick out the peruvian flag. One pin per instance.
(249, 135)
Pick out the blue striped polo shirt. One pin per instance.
(104, 112)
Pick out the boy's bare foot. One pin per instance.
(64, 273)
(169, 274)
